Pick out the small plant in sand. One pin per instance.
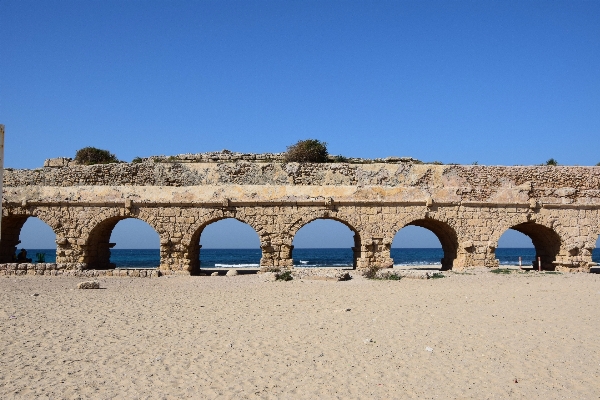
(40, 257)
(310, 150)
(500, 271)
(370, 272)
(92, 155)
(285, 276)
(438, 276)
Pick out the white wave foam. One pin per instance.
(236, 266)
(324, 265)
(417, 263)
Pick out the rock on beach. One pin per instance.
(89, 285)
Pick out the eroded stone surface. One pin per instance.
(89, 285)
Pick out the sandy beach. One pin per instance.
(473, 335)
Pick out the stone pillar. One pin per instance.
(276, 252)
(374, 252)
(177, 257)
(94, 254)
(10, 240)
(73, 253)
(489, 255)
(575, 258)
(466, 255)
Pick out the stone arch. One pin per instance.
(12, 223)
(96, 250)
(356, 249)
(546, 241)
(445, 233)
(193, 247)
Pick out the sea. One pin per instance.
(250, 258)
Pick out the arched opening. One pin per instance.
(123, 243)
(29, 233)
(427, 243)
(225, 243)
(416, 247)
(545, 243)
(326, 243)
(515, 248)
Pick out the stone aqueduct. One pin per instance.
(467, 207)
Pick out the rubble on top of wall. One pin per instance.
(226, 156)
(58, 162)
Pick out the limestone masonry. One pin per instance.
(468, 207)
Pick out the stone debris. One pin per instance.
(214, 274)
(227, 156)
(321, 274)
(405, 273)
(232, 272)
(89, 285)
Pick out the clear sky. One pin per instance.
(497, 82)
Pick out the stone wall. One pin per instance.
(467, 207)
(51, 269)
(469, 183)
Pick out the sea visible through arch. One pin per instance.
(303, 257)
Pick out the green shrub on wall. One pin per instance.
(92, 155)
(310, 150)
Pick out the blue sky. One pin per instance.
(497, 82)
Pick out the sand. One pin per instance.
(478, 335)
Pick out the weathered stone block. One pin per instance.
(89, 285)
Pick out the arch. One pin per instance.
(545, 240)
(416, 245)
(96, 251)
(356, 249)
(512, 247)
(445, 234)
(195, 245)
(11, 234)
(512, 238)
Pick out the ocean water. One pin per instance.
(250, 258)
